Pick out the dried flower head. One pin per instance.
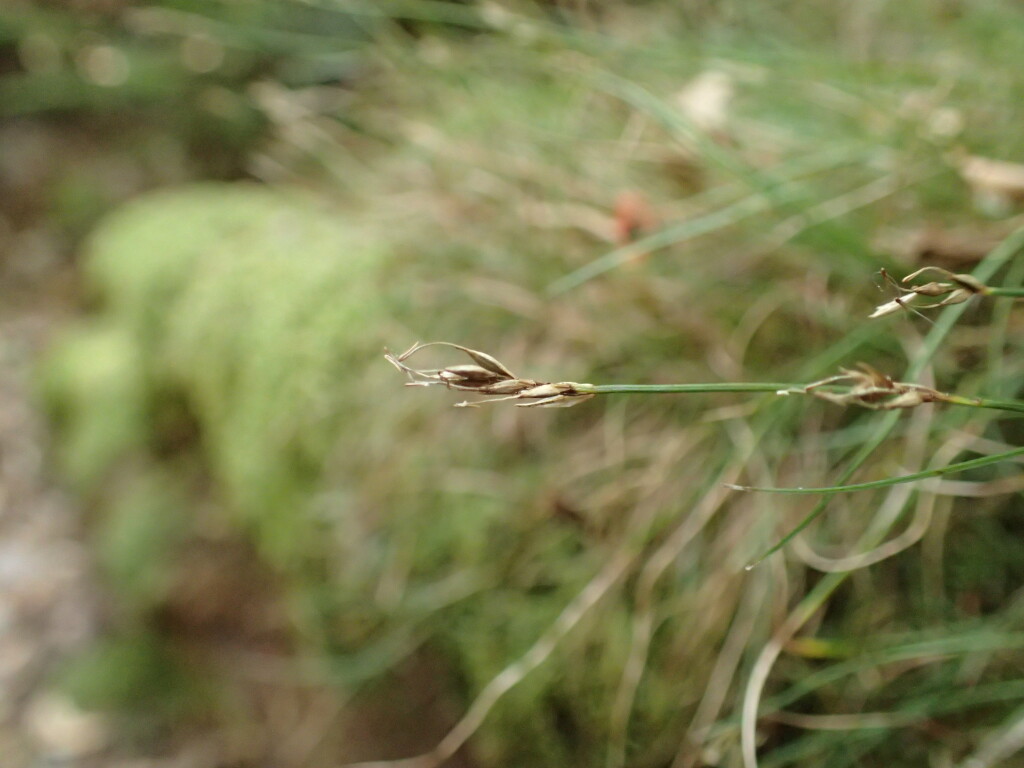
(869, 388)
(956, 289)
(488, 376)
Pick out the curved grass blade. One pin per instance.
(999, 256)
(983, 461)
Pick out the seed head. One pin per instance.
(488, 376)
(956, 289)
(869, 388)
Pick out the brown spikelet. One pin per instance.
(870, 388)
(488, 376)
(956, 289)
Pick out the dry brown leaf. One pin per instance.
(996, 180)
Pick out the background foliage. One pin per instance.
(591, 191)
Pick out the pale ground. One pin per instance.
(49, 604)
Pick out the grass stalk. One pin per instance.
(1014, 292)
(1014, 406)
(679, 389)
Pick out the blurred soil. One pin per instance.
(49, 599)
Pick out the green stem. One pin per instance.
(1017, 406)
(668, 389)
(1015, 292)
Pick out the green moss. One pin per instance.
(138, 536)
(122, 674)
(259, 307)
(93, 383)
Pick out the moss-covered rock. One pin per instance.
(230, 378)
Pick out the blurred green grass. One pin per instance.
(459, 171)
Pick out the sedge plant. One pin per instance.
(862, 386)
